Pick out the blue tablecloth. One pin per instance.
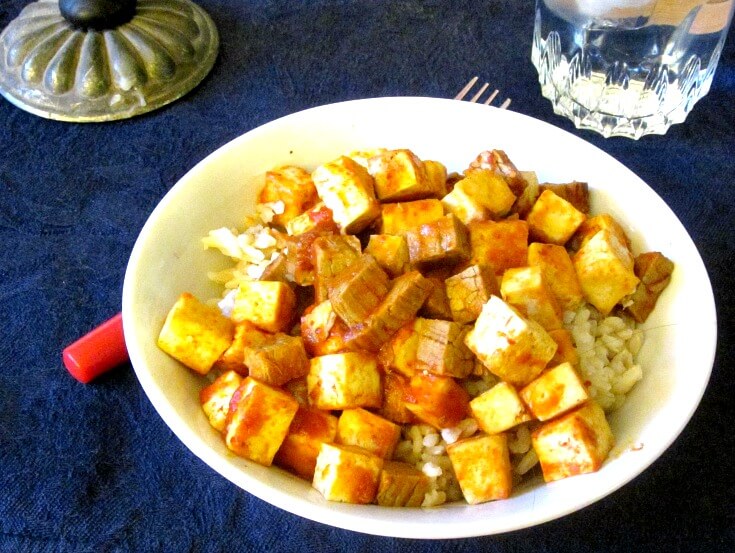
(94, 468)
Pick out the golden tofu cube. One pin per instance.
(391, 253)
(401, 485)
(575, 443)
(513, 348)
(400, 175)
(344, 381)
(566, 352)
(499, 409)
(258, 420)
(395, 390)
(592, 225)
(268, 304)
(363, 156)
(400, 217)
(441, 242)
(277, 360)
(347, 474)
(553, 219)
(291, 185)
(499, 244)
(440, 348)
(468, 291)
(498, 161)
(482, 466)
(309, 429)
(399, 354)
(481, 195)
(317, 322)
(233, 359)
(308, 220)
(461, 203)
(525, 289)
(215, 398)
(604, 267)
(437, 174)
(347, 189)
(437, 400)
(369, 431)
(558, 273)
(556, 391)
(195, 334)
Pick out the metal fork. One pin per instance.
(479, 93)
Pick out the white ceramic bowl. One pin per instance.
(168, 259)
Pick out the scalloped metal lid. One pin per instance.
(53, 69)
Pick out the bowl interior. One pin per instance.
(168, 259)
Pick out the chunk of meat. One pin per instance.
(575, 192)
(654, 271)
(330, 255)
(444, 241)
(358, 290)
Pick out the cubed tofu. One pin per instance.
(400, 217)
(654, 271)
(556, 391)
(440, 348)
(553, 220)
(499, 409)
(298, 389)
(575, 192)
(482, 466)
(575, 443)
(400, 175)
(558, 273)
(483, 194)
(525, 289)
(499, 244)
(258, 420)
(498, 161)
(441, 242)
(391, 253)
(468, 291)
(395, 390)
(363, 156)
(291, 185)
(267, 304)
(310, 219)
(346, 188)
(604, 267)
(215, 398)
(233, 359)
(401, 485)
(195, 334)
(437, 174)
(309, 429)
(399, 354)
(347, 474)
(344, 381)
(462, 204)
(277, 360)
(513, 348)
(592, 225)
(355, 292)
(330, 255)
(566, 352)
(369, 431)
(437, 400)
(317, 322)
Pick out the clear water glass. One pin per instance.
(628, 67)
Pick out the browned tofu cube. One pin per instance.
(347, 474)
(298, 389)
(317, 322)
(391, 253)
(558, 273)
(344, 381)
(395, 390)
(654, 271)
(499, 244)
(566, 352)
(499, 409)
(215, 398)
(331, 254)
(481, 195)
(437, 400)
(233, 359)
(604, 268)
(556, 391)
(399, 354)
(444, 241)
(400, 175)
(513, 348)
(312, 219)
(309, 429)
(293, 187)
(437, 174)
(436, 305)
(592, 225)
(498, 161)
(468, 291)
(401, 485)
(258, 420)
(482, 466)
(575, 443)
(279, 359)
(440, 348)
(358, 290)
(400, 217)
(269, 305)
(525, 289)
(369, 431)
(553, 219)
(575, 192)
(195, 334)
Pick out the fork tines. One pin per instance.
(462, 93)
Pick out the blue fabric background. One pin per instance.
(94, 468)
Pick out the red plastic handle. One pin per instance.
(97, 352)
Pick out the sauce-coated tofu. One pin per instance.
(399, 354)
(400, 217)
(482, 466)
(558, 273)
(556, 391)
(566, 352)
(291, 185)
(604, 268)
(348, 190)
(499, 244)
(481, 195)
(575, 443)
(344, 381)
(552, 219)
(317, 323)
(437, 400)
(309, 429)
(510, 346)
(498, 161)
(233, 359)
(267, 304)
(499, 409)
(525, 289)
(437, 174)
(277, 360)
(400, 175)
(593, 225)
(258, 420)
(441, 242)
(308, 220)
(391, 253)
(348, 474)
(215, 398)
(401, 485)
(395, 390)
(369, 431)
(195, 334)
(468, 291)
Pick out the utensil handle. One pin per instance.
(97, 352)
